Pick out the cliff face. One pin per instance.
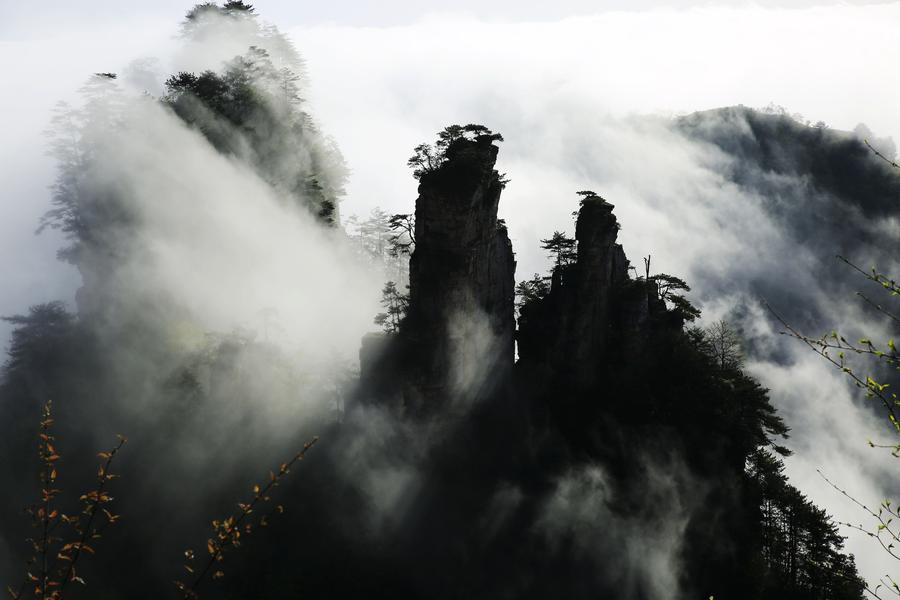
(457, 341)
(600, 269)
(456, 344)
(592, 306)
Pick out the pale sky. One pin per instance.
(22, 17)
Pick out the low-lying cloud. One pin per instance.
(570, 98)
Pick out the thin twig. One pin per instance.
(818, 349)
(229, 532)
(96, 498)
(882, 156)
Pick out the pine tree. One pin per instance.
(561, 249)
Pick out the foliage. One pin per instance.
(251, 109)
(233, 9)
(885, 534)
(51, 568)
(884, 357)
(395, 305)
(84, 214)
(252, 90)
(37, 334)
(837, 350)
(561, 249)
(428, 159)
(229, 531)
(403, 238)
(668, 288)
(588, 195)
(384, 241)
(744, 409)
(801, 546)
(724, 345)
(254, 109)
(884, 354)
(532, 289)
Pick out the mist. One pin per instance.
(584, 102)
(588, 103)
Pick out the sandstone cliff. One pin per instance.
(457, 341)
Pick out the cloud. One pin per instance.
(586, 103)
(571, 98)
(636, 552)
(223, 245)
(203, 280)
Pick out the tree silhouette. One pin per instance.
(532, 289)
(395, 305)
(254, 109)
(403, 238)
(800, 545)
(668, 288)
(428, 159)
(561, 249)
(725, 344)
(424, 160)
(585, 194)
(385, 242)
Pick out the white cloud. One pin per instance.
(564, 94)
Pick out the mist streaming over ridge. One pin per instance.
(703, 205)
(224, 315)
(219, 307)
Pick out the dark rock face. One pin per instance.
(591, 308)
(457, 341)
(600, 269)
(456, 344)
(462, 274)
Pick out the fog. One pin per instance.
(584, 102)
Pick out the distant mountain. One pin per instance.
(825, 192)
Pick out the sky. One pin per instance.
(21, 18)
(573, 87)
